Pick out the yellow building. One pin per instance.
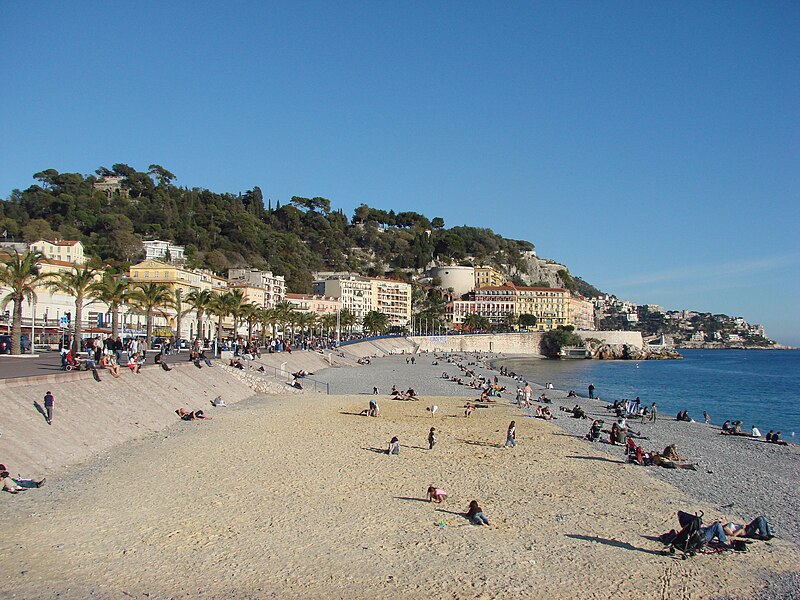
(550, 306)
(488, 277)
(155, 271)
(392, 298)
(70, 251)
(252, 294)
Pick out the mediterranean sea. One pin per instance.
(758, 387)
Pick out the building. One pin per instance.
(274, 286)
(252, 294)
(392, 298)
(550, 306)
(319, 305)
(460, 280)
(488, 277)
(161, 250)
(110, 186)
(354, 292)
(457, 310)
(496, 303)
(581, 313)
(70, 251)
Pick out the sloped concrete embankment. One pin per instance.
(91, 417)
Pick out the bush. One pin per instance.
(553, 341)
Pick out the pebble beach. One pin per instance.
(294, 497)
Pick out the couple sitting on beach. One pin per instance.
(409, 394)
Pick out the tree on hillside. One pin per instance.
(20, 273)
(77, 284)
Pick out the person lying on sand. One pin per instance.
(14, 486)
(758, 529)
(475, 514)
(193, 415)
(436, 495)
(543, 412)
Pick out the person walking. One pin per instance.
(653, 412)
(48, 406)
(591, 390)
(432, 438)
(511, 435)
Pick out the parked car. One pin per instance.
(5, 344)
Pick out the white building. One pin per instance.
(160, 250)
(354, 291)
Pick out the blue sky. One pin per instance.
(651, 147)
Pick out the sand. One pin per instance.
(291, 497)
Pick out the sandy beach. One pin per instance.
(293, 497)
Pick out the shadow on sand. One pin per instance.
(614, 543)
(616, 462)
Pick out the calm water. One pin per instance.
(758, 387)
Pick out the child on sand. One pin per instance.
(468, 409)
(475, 514)
(394, 446)
(436, 495)
(432, 438)
(511, 436)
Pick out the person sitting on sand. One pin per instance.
(135, 363)
(475, 514)
(193, 415)
(683, 416)
(295, 383)
(758, 529)
(159, 360)
(543, 412)
(436, 495)
(578, 412)
(671, 453)
(594, 431)
(394, 446)
(108, 362)
(572, 394)
(468, 408)
(726, 428)
(755, 432)
(776, 439)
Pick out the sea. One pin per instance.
(758, 387)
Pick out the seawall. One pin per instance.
(515, 343)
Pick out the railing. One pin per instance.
(319, 386)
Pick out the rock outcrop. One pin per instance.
(628, 352)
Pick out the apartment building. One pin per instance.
(274, 286)
(354, 292)
(488, 277)
(496, 303)
(319, 305)
(392, 298)
(550, 306)
(581, 313)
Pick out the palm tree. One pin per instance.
(236, 301)
(328, 323)
(20, 272)
(220, 308)
(199, 300)
(347, 319)
(284, 312)
(474, 321)
(250, 313)
(182, 308)
(112, 290)
(306, 320)
(268, 318)
(148, 298)
(376, 322)
(77, 284)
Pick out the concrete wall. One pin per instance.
(515, 343)
(632, 338)
(509, 343)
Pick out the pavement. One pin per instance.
(49, 363)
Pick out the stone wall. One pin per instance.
(615, 338)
